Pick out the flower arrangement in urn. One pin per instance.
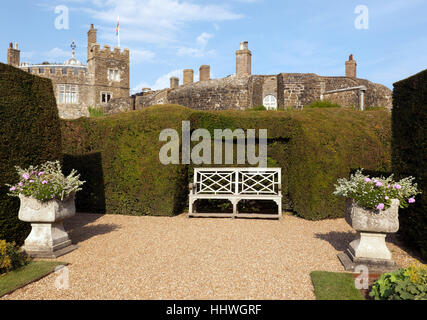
(377, 193)
(372, 210)
(47, 199)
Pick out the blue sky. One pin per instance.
(166, 36)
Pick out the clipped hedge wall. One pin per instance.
(118, 157)
(409, 153)
(29, 135)
(314, 148)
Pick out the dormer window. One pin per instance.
(113, 75)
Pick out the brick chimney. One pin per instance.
(204, 72)
(188, 76)
(13, 55)
(91, 39)
(350, 67)
(243, 60)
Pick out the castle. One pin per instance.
(104, 83)
(77, 86)
(283, 91)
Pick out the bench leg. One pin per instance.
(279, 208)
(235, 202)
(190, 208)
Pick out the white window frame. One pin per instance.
(269, 103)
(106, 93)
(68, 94)
(113, 75)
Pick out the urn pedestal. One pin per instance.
(369, 248)
(47, 238)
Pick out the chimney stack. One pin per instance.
(204, 72)
(174, 82)
(13, 55)
(188, 76)
(243, 60)
(91, 39)
(350, 67)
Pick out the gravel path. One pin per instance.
(126, 257)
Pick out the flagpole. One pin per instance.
(118, 30)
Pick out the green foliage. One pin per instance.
(46, 182)
(334, 286)
(11, 257)
(257, 108)
(118, 156)
(409, 153)
(403, 284)
(95, 112)
(377, 193)
(322, 104)
(29, 135)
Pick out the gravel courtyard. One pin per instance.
(127, 257)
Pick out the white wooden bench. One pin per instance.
(236, 184)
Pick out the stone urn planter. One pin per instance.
(369, 248)
(47, 239)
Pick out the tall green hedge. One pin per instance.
(29, 135)
(119, 155)
(409, 152)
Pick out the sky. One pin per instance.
(387, 37)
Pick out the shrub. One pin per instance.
(409, 153)
(118, 156)
(29, 135)
(11, 257)
(322, 104)
(403, 284)
(258, 108)
(95, 112)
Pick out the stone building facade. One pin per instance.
(282, 91)
(77, 86)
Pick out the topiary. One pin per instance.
(29, 135)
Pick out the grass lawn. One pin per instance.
(33, 271)
(334, 286)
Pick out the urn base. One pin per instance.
(370, 250)
(48, 240)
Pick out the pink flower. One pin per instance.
(31, 181)
(26, 176)
(388, 187)
(367, 180)
(397, 186)
(44, 182)
(380, 206)
(386, 198)
(20, 184)
(379, 184)
(40, 174)
(12, 189)
(411, 200)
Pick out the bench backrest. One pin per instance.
(237, 181)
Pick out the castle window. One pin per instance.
(67, 94)
(113, 75)
(270, 102)
(105, 97)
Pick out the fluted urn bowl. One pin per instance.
(370, 220)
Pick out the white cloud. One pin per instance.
(141, 55)
(200, 49)
(56, 54)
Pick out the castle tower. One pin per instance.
(174, 82)
(204, 72)
(350, 67)
(188, 76)
(243, 60)
(13, 55)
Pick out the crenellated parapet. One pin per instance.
(107, 53)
